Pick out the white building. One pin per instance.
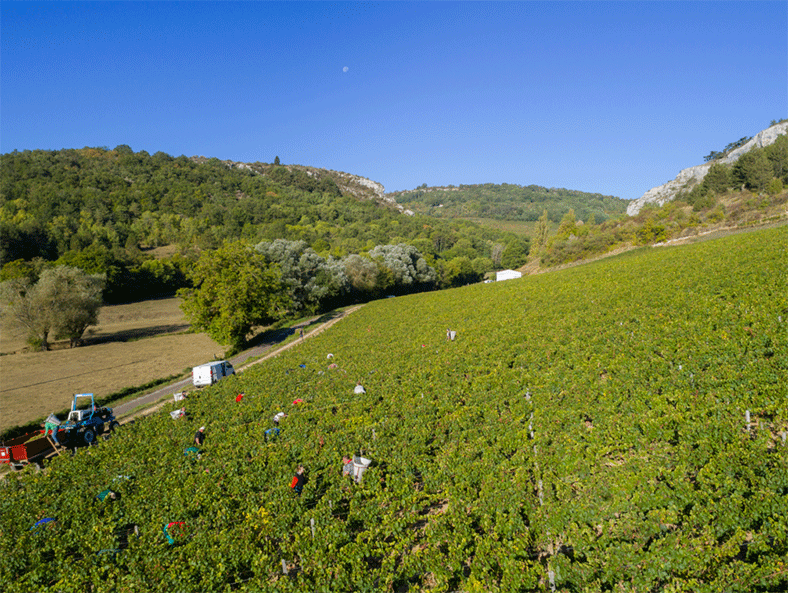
(507, 275)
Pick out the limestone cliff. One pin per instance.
(694, 175)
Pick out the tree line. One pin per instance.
(508, 201)
(107, 212)
(56, 202)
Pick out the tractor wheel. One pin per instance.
(89, 436)
(114, 425)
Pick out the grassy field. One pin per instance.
(520, 227)
(131, 345)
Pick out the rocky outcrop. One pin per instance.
(694, 175)
(359, 187)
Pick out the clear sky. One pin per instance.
(607, 97)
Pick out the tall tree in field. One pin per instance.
(64, 301)
(234, 291)
(77, 298)
(21, 308)
(542, 230)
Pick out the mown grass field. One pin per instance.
(619, 426)
(131, 345)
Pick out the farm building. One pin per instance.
(507, 275)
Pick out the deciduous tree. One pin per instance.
(235, 289)
(64, 301)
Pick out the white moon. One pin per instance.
(345, 69)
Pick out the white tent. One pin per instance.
(507, 275)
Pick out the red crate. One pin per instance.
(24, 448)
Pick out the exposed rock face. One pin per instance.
(693, 175)
(349, 184)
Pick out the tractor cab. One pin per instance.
(78, 414)
(85, 421)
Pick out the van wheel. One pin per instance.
(89, 436)
(114, 425)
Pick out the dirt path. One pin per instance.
(126, 411)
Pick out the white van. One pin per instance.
(210, 373)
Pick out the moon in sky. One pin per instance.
(345, 69)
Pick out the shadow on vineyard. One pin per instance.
(619, 426)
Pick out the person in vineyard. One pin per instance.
(199, 437)
(347, 465)
(299, 479)
(50, 427)
(107, 495)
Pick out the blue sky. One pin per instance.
(607, 97)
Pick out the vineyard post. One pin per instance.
(747, 419)
(784, 434)
(551, 578)
(284, 566)
(312, 525)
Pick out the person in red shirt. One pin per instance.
(299, 479)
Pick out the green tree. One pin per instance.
(515, 254)
(753, 170)
(78, 299)
(459, 271)
(760, 172)
(306, 275)
(541, 230)
(718, 178)
(234, 291)
(364, 275)
(650, 232)
(409, 269)
(777, 153)
(482, 265)
(21, 307)
(64, 301)
(568, 225)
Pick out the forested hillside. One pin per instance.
(748, 192)
(105, 210)
(619, 426)
(569, 226)
(56, 201)
(510, 202)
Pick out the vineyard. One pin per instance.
(618, 426)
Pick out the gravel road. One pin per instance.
(238, 362)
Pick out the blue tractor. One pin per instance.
(85, 422)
